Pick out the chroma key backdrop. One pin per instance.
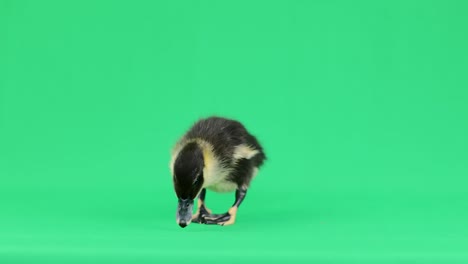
(361, 106)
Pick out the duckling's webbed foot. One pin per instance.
(200, 216)
(228, 218)
(217, 219)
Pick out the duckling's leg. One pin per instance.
(202, 211)
(228, 218)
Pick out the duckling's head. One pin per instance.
(188, 180)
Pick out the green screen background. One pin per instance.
(361, 107)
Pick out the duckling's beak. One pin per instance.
(184, 212)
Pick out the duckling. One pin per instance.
(216, 154)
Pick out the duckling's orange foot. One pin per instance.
(220, 219)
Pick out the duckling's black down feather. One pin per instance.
(231, 153)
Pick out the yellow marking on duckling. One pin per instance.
(244, 152)
(213, 172)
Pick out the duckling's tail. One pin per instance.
(260, 157)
